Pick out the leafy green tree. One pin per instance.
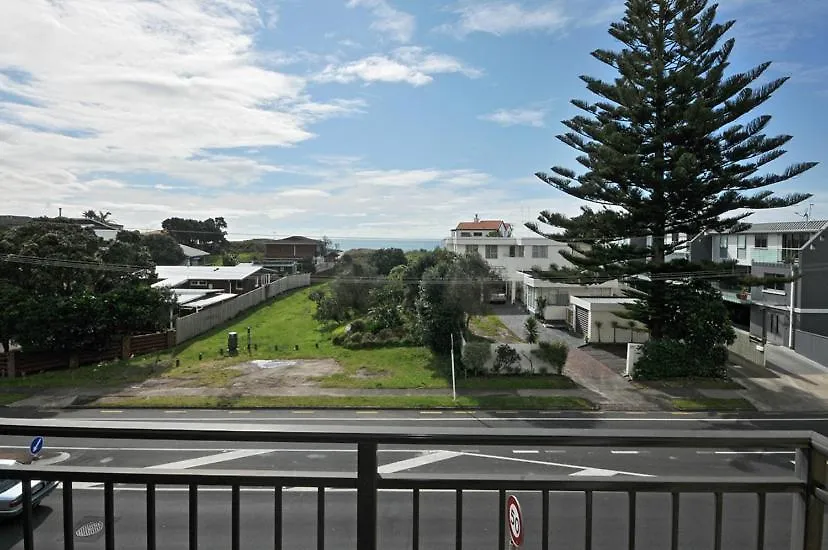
(209, 234)
(100, 215)
(666, 149)
(474, 357)
(163, 249)
(127, 249)
(386, 259)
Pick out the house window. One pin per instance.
(465, 234)
(198, 283)
(741, 246)
(540, 251)
(471, 249)
(794, 240)
(760, 240)
(491, 251)
(512, 251)
(774, 285)
(520, 251)
(774, 324)
(723, 246)
(478, 234)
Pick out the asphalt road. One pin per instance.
(437, 508)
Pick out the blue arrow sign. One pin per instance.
(36, 446)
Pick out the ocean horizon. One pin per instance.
(404, 244)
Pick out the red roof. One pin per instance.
(483, 225)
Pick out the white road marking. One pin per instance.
(110, 411)
(212, 489)
(754, 452)
(61, 457)
(427, 412)
(422, 460)
(210, 459)
(106, 460)
(239, 412)
(558, 464)
(624, 452)
(594, 472)
(366, 412)
(175, 412)
(524, 452)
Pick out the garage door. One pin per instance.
(581, 320)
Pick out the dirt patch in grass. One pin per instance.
(256, 377)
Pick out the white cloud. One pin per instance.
(517, 117)
(116, 86)
(388, 20)
(411, 64)
(502, 17)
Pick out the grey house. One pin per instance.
(792, 314)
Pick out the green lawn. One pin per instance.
(539, 381)
(7, 398)
(696, 383)
(276, 330)
(402, 401)
(113, 374)
(490, 326)
(712, 404)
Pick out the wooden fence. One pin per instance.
(190, 326)
(20, 363)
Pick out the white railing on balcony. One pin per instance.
(773, 255)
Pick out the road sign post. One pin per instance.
(36, 446)
(514, 522)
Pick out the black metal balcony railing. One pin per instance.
(806, 485)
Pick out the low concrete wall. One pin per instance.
(813, 346)
(745, 348)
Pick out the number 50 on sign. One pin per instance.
(514, 521)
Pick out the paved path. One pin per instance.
(514, 315)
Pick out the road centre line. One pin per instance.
(558, 464)
(524, 452)
(615, 452)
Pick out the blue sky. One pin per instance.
(350, 118)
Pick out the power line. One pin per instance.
(71, 264)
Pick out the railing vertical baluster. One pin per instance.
(631, 511)
(109, 516)
(367, 483)
(588, 522)
(235, 517)
(674, 523)
(28, 522)
(193, 516)
(501, 521)
(760, 529)
(151, 517)
(415, 520)
(808, 511)
(277, 519)
(717, 535)
(545, 519)
(68, 516)
(320, 518)
(458, 519)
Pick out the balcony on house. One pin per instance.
(774, 255)
(370, 505)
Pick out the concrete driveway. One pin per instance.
(514, 315)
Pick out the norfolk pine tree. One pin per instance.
(668, 148)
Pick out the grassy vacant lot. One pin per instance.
(712, 404)
(388, 402)
(278, 328)
(490, 326)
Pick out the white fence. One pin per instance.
(200, 322)
(746, 348)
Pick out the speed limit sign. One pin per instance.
(514, 521)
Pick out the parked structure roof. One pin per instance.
(191, 252)
(811, 226)
(207, 272)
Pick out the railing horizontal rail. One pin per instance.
(819, 443)
(246, 478)
(264, 432)
(661, 484)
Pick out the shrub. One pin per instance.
(668, 358)
(357, 325)
(354, 339)
(531, 326)
(553, 353)
(505, 358)
(316, 295)
(339, 339)
(369, 340)
(475, 355)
